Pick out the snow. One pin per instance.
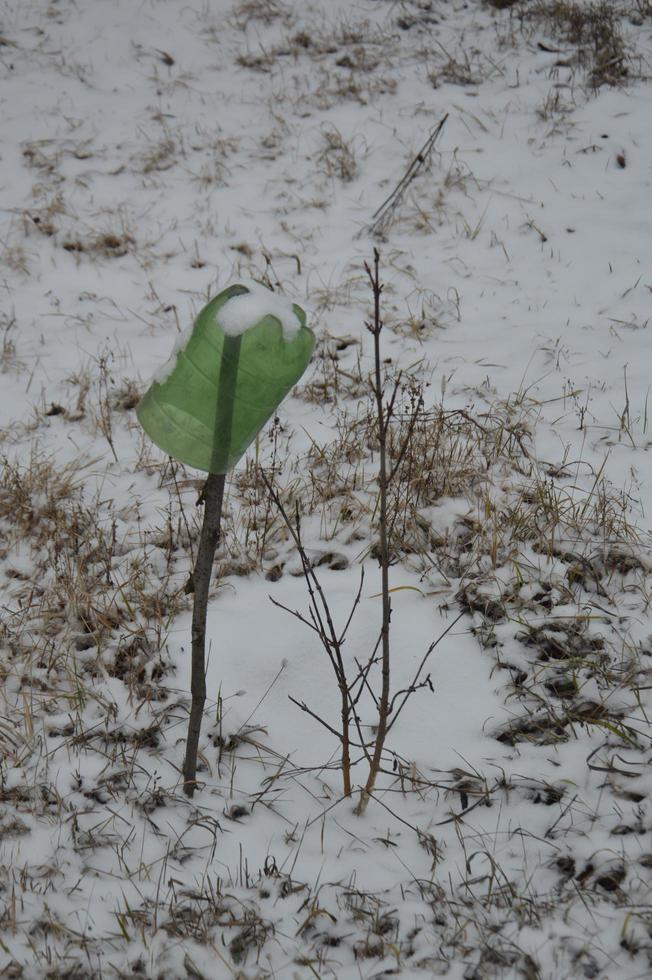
(163, 372)
(240, 313)
(153, 154)
(243, 312)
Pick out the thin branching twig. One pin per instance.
(384, 215)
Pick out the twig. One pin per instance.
(173, 471)
(322, 624)
(355, 605)
(413, 686)
(304, 707)
(384, 215)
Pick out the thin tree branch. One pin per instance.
(426, 682)
(411, 688)
(355, 605)
(331, 642)
(304, 707)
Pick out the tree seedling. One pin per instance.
(225, 378)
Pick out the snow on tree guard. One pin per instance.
(226, 377)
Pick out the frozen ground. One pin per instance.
(152, 153)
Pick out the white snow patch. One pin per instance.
(246, 310)
(237, 315)
(162, 373)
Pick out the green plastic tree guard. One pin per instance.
(219, 389)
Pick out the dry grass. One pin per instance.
(337, 157)
(106, 245)
(9, 360)
(593, 31)
(339, 61)
(92, 589)
(263, 11)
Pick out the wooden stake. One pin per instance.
(213, 496)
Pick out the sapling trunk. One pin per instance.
(212, 497)
(382, 422)
(391, 456)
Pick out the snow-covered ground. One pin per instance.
(152, 153)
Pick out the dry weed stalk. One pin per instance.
(384, 215)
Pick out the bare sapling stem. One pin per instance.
(212, 496)
(394, 431)
(382, 422)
